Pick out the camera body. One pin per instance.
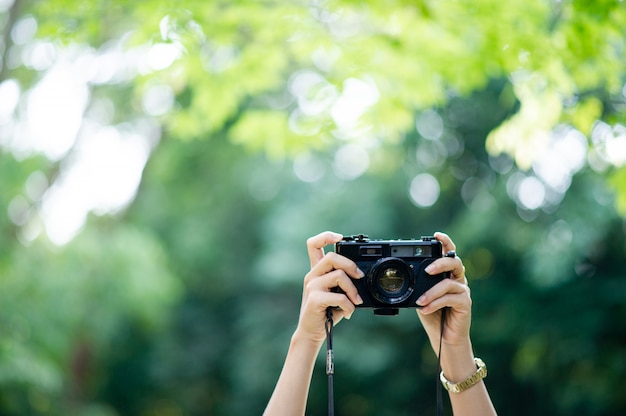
(394, 270)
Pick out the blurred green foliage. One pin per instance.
(268, 122)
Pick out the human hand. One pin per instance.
(453, 293)
(328, 271)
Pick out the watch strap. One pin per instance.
(479, 374)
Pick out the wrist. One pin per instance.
(457, 361)
(302, 340)
(471, 380)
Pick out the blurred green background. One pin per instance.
(163, 162)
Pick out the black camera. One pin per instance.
(394, 270)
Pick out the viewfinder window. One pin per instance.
(373, 251)
(422, 251)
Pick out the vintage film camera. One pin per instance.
(394, 270)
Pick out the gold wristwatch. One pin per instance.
(478, 375)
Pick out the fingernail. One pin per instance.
(359, 272)
(421, 300)
(359, 300)
(430, 268)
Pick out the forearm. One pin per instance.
(457, 363)
(291, 392)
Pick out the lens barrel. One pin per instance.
(391, 281)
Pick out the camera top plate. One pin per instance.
(362, 238)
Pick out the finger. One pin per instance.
(458, 302)
(447, 264)
(334, 261)
(334, 300)
(446, 241)
(335, 279)
(315, 245)
(442, 289)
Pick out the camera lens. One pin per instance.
(391, 281)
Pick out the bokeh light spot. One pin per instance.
(162, 55)
(351, 161)
(430, 125)
(158, 100)
(356, 98)
(54, 114)
(424, 190)
(9, 97)
(24, 30)
(531, 193)
(308, 168)
(479, 263)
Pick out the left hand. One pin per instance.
(328, 271)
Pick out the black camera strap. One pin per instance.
(330, 363)
(437, 381)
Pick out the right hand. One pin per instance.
(328, 271)
(453, 293)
